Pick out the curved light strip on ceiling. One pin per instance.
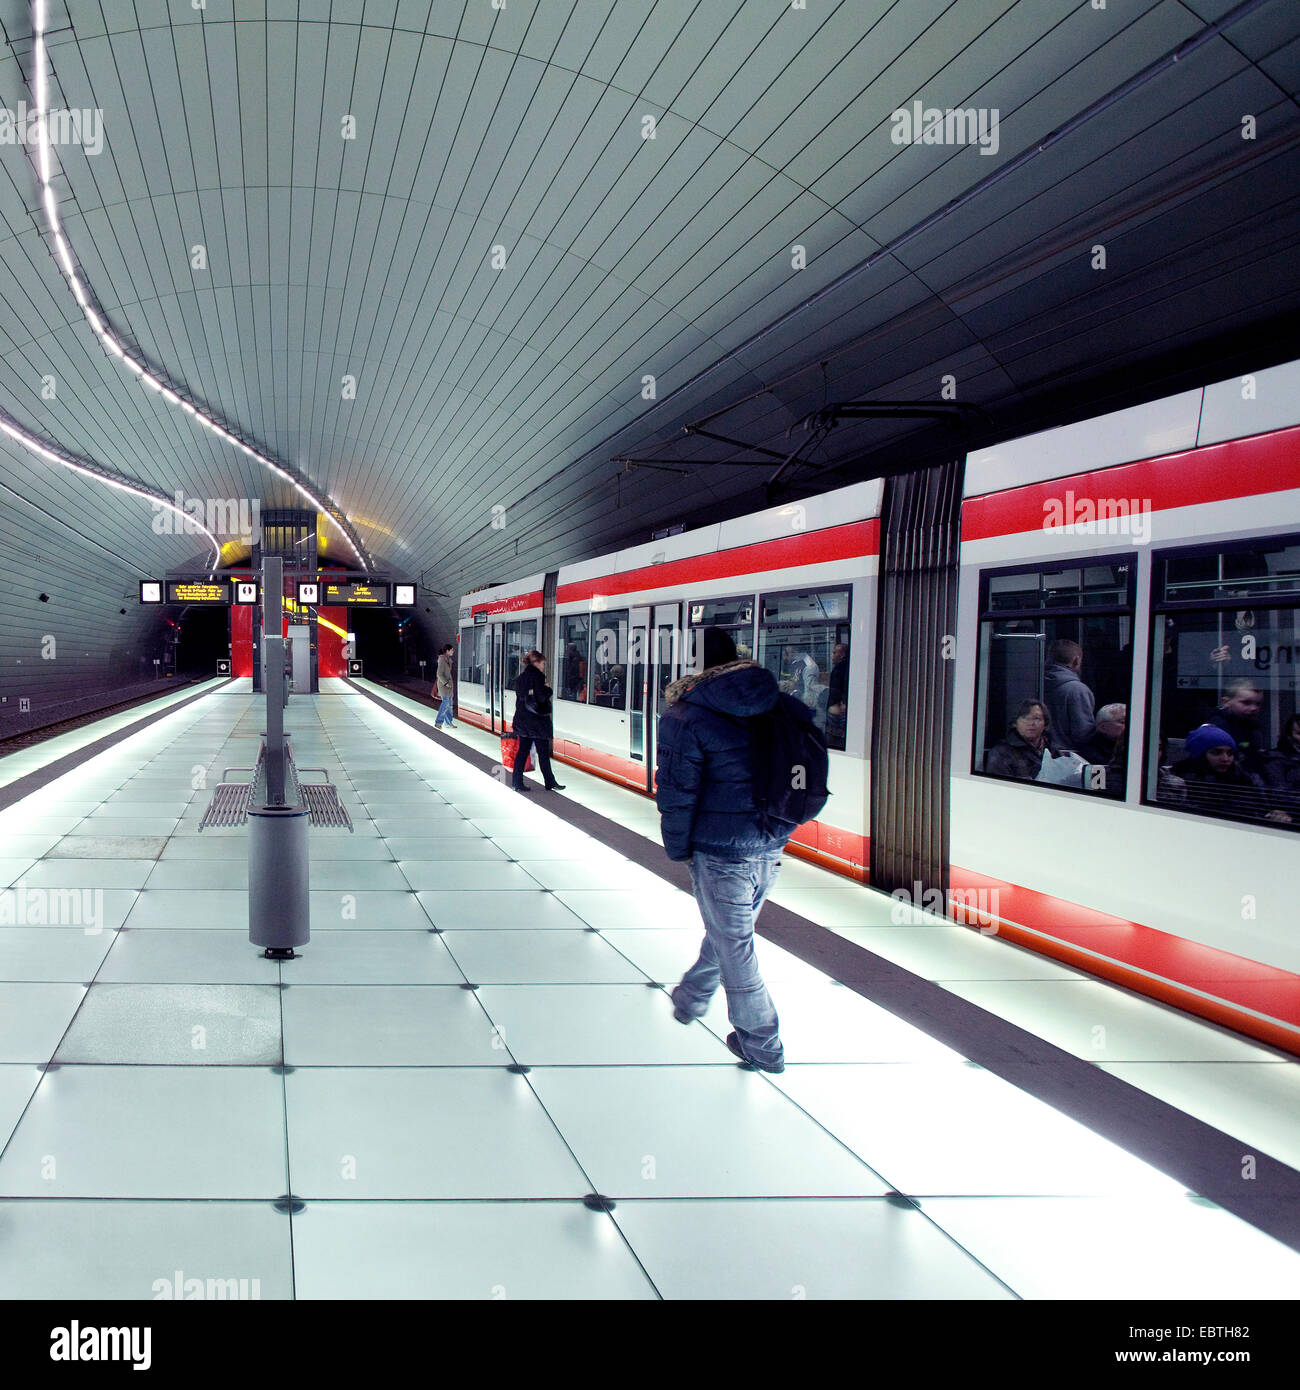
(106, 476)
(44, 165)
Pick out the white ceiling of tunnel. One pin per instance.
(371, 257)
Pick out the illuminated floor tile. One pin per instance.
(1118, 1248)
(33, 1018)
(413, 1132)
(463, 1250)
(386, 1025)
(194, 955)
(655, 1132)
(150, 1132)
(51, 953)
(145, 1250)
(811, 1249)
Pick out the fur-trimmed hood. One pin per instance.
(738, 688)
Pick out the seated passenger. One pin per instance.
(1215, 781)
(1029, 736)
(614, 686)
(1108, 745)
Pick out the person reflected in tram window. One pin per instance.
(1230, 658)
(1069, 701)
(614, 686)
(1238, 715)
(837, 703)
(837, 697)
(1020, 753)
(1216, 781)
(1281, 765)
(572, 679)
(1108, 745)
(805, 676)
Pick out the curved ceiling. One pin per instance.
(349, 167)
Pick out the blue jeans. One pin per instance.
(444, 712)
(730, 894)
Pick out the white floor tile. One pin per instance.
(695, 1132)
(782, 1250)
(150, 1132)
(61, 1250)
(412, 1132)
(465, 1250)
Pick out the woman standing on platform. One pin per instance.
(532, 721)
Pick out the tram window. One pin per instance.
(473, 653)
(1055, 675)
(572, 655)
(1225, 696)
(803, 639)
(735, 616)
(521, 637)
(609, 659)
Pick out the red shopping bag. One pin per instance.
(510, 750)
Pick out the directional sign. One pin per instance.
(360, 593)
(216, 591)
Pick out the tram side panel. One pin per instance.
(1142, 849)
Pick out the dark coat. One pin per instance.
(704, 782)
(527, 722)
(1013, 757)
(1235, 792)
(1281, 768)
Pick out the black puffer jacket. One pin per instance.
(704, 781)
(532, 716)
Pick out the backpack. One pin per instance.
(789, 768)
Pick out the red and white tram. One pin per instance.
(1159, 545)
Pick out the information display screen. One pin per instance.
(357, 593)
(198, 591)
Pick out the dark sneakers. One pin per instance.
(556, 787)
(733, 1042)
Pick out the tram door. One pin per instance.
(638, 678)
(496, 674)
(655, 661)
(509, 643)
(666, 666)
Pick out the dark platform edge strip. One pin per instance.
(1203, 1159)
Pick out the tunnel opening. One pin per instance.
(379, 642)
(204, 639)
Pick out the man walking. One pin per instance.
(444, 688)
(714, 814)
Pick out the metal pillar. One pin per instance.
(279, 900)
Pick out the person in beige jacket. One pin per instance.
(444, 688)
